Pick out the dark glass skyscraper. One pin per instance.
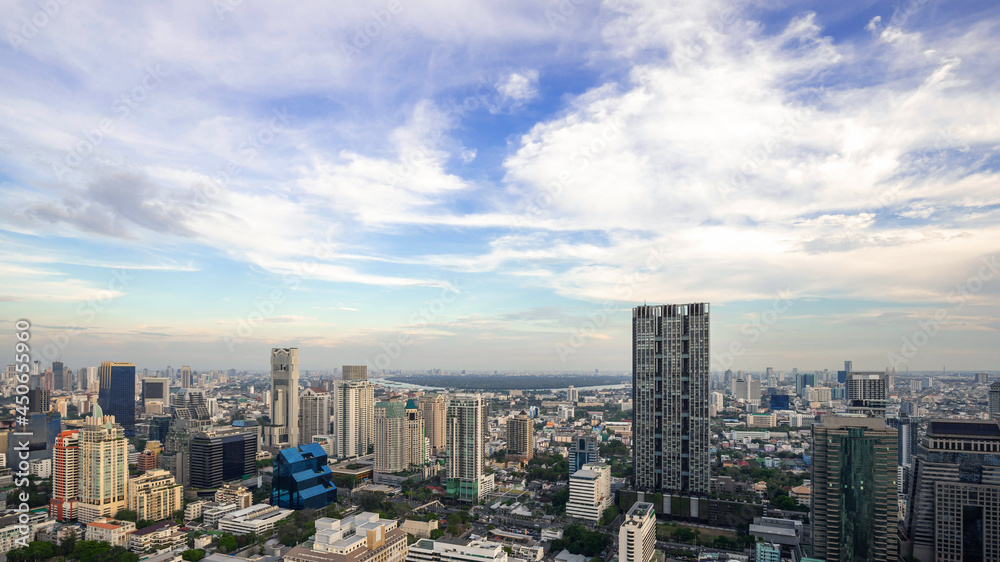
(58, 376)
(117, 394)
(670, 376)
(222, 455)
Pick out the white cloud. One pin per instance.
(519, 86)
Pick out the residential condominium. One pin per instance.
(391, 448)
(155, 495)
(435, 410)
(66, 476)
(314, 413)
(854, 489)
(235, 494)
(466, 478)
(520, 437)
(353, 413)
(866, 394)
(364, 537)
(670, 381)
(953, 493)
(637, 535)
(103, 454)
(590, 492)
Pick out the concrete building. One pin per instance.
(155, 495)
(466, 447)
(111, 531)
(854, 472)
(284, 429)
(435, 410)
(185, 374)
(953, 493)
(426, 550)
(572, 395)
(416, 442)
(314, 410)
(212, 512)
(234, 494)
(590, 492)
(362, 538)
(637, 535)
(583, 449)
(66, 478)
(520, 437)
(866, 393)
(103, 454)
(254, 519)
(670, 381)
(161, 536)
(353, 413)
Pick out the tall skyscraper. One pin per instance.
(222, 454)
(390, 437)
(416, 442)
(994, 397)
(314, 410)
(58, 376)
(435, 410)
(854, 491)
(953, 493)
(866, 394)
(103, 454)
(804, 381)
(353, 413)
(520, 437)
(117, 394)
(466, 448)
(65, 476)
(186, 377)
(284, 429)
(670, 375)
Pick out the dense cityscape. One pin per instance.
(353, 465)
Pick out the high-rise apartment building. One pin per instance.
(572, 394)
(637, 535)
(670, 385)
(416, 442)
(590, 492)
(866, 394)
(804, 381)
(582, 450)
(390, 437)
(353, 413)
(284, 429)
(103, 453)
(117, 394)
(186, 377)
(994, 398)
(854, 489)
(435, 410)
(65, 476)
(155, 495)
(953, 493)
(520, 437)
(466, 447)
(314, 413)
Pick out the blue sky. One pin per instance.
(462, 185)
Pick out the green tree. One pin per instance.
(193, 555)
(36, 551)
(127, 515)
(227, 543)
(436, 534)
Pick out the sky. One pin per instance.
(494, 185)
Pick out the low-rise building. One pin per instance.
(193, 510)
(239, 495)
(163, 535)
(589, 492)
(40, 468)
(213, 512)
(155, 495)
(419, 529)
(111, 531)
(257, 519)
(426, 550)
(364, 537)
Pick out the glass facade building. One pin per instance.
(117, 393)
(302, 479)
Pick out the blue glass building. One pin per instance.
(302, 479)
(117, 394)
(779, 402)
(41, 430)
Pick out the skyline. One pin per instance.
(499, 192)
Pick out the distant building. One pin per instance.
(302, 479)
(314, 413)
(466, 448)
(117, 394)
(637, 535)
(590, 492)
(994, 396)
(435, 410)
(582, 450)
(186, 377)
(572, 395)
(982, 378)
(866, 394)
(520, 437)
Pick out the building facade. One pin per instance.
(582, 450)
(994, 399)
(364, 537)
(66, 476)
(520, 437)
(353, 413)
(103, 453)
(466, 447)
(220, 455)
(589, 492)
(637, 535)
(416, 442)
(866, 394)
(435, 411)
(854, 489)
(302, 479)
(670, 383)
(314, 413)
(117, 394)
(284, 429)
(155, 495)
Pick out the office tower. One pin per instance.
(155, 391)
(390, 437)
(38, 400)
(780, 402)
(582, 450)
(589, 492)
(36, 368)
(434, 410)
(866, 394)
(314, 413)
(284, 429)
(186, 377)
(39, 433)
(354, 413)
(670, 366)
(747, 390)
(520, 437)
(466, 447)
(982, 378)
(302, 479)
(220, 455)
(416, 442)
(59, 376)
(994, 398)
(907, 436)
(155, 495)
(191, 404)
(854, 491)
(953, 494)
(804, 381)
(637, 535)
(65, 476)
(103, 466)
(572, 394)
(117, 394)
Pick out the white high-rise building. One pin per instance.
(637, 535)
(390, 437)
(589, 492)
(466, 447)
(866, 393)
(314, 411)
(283, 432)
(353, 413)
(185, 377)
(572, 394)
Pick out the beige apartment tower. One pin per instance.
(353, 413)
(520, 437)
(103, 454)
(435, 409)
(314, 410)
(283, 432)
